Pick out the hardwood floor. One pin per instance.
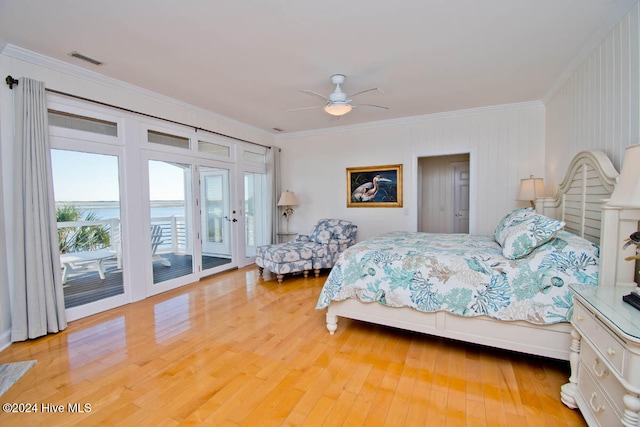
(235, 349)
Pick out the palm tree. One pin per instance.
(84, 238)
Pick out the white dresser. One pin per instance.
(606, 351)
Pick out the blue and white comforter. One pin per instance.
(463, 274)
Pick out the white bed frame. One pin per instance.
(589, 181)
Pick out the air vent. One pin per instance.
(85, 58)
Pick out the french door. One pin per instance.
(193, 220)
(215, 212)
(144, 207)
(87, 189)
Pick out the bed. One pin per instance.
(513, 295)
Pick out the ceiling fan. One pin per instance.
(337, 103)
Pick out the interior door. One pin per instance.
(461, 197)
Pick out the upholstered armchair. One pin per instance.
(318, 250)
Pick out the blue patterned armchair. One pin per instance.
(320, 249)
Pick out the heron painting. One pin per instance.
(374, 186)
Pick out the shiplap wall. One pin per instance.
(597, 108)
(505, 144)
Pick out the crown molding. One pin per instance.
(19, 53)
(414, 119)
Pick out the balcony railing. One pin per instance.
(175, 238)
(174, 233)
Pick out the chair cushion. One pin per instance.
(288, 252)
(327, 229)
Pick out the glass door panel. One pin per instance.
(171, 201)
(255, 214)
(87, 200)
(217, 217)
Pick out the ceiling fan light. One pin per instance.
(337, 108)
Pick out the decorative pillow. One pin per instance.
(521, 238)
(515, 217)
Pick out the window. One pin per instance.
(215, 149)
(82, 123)
(167, 139)
(250, 156)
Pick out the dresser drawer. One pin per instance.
(593, 403)
(605, 342)
(600, 374)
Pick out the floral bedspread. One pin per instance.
(466, 275)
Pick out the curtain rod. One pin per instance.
(11, 82)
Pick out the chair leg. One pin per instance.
(280, 277)
(260, 270)
(316, 272)
(306, 274)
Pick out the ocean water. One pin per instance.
(112, 211)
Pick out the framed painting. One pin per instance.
(374, 187)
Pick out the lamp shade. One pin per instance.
(288, 198)
(627, 191)
(337, 108)
(531, 188)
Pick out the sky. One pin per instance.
(94, 177)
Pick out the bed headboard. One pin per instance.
(589, 181)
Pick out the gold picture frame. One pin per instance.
(374, 187)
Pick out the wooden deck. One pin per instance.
(85, 287)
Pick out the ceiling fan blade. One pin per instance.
(368, 90)
(371, 105)
(310, 92)
(303, 108)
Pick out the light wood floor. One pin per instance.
(235, 349)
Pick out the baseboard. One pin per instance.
(5, 339)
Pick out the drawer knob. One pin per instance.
(596, 409)
(579, 317)
(610, 351)
(600, 373)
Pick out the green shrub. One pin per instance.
(78, 239)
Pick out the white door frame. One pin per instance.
(473, 185)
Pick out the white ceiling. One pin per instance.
(248, 60)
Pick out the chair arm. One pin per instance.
(301, 238)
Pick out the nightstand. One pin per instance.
(606, 352)
(286, 237)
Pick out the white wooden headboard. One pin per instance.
(588, 183)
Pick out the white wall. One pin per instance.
(598, 105)
(506, 144)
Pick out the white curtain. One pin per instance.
(273, 183)
(38, 301)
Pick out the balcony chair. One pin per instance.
(156, 241)
(318, 250)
